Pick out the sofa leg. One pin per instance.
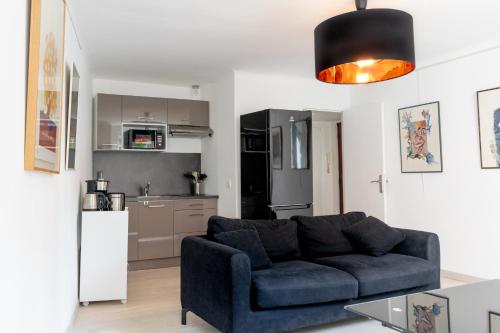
(184, 315)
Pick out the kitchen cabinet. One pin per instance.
(133, 230)
(188, 112)
(108, 122)
(144, 109)
(157, 228)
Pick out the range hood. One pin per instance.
(189, 131)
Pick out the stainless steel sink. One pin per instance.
(146, 197)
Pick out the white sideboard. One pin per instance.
(103, 258)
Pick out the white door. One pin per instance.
(363, 143)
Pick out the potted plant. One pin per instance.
(195, 179)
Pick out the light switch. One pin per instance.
(229, 183)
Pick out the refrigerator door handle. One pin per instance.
(293, 206)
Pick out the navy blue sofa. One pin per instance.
(218, 285)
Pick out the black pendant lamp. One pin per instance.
(364, 46)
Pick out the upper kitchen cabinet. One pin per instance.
(188, 112)
(144, 109)
(108, 122)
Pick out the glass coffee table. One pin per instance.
(472, 308)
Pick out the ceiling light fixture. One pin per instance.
(364, 46)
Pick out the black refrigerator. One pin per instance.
(276, 164)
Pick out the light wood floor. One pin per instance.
(153, 306)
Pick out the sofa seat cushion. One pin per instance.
(299, 283)
(390, 272)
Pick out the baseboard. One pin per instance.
(461, 277)
(73, 318)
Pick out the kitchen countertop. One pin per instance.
(164, 197)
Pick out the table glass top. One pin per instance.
(471, 308)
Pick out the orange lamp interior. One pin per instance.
(366, 71)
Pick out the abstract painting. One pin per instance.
(494, 322)
(420, 138)
(428, 313)
(488, 104)
(45, 86)
(72, 118)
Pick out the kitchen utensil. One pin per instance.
(116, 201)
(97, 185)
(95, 201)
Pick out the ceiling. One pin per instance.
(195, 41)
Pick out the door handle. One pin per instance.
(380, 182)
(157, 206)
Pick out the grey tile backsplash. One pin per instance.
(130, 171)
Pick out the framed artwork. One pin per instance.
(276, 136)
(488, 106)
(42, 147)
(494, 322)
(72, 118)
(420, 138)
(428, 313)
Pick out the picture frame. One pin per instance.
(488, 113)
(494, 322)
(420, 138)
(45, 91)
(432, 308)
(72, 118)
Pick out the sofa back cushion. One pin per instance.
(279, 237)
(248, 241)
(322, 236)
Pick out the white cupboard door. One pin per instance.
(364, 167)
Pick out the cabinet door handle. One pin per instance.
(156, 206)
(196, 204)
(196, 215)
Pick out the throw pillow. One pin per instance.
(321, 236)
(249, 242)
(373, 236)
(279, 237)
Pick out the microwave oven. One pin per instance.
(145, 138)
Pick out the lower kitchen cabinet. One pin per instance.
(157, 228)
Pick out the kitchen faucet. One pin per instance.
(147, 188)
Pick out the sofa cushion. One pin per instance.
(279, 237)
(249, 242)
(390, 272)
(299, 283)
(373, 236)
(321, 236)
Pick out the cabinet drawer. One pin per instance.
(132, 246)
(178, 241)
(209, 213)
(155, 248)
(195, 204)
(187, 221)
(156, 219)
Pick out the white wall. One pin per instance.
(460, 204)
(219, 152)
(174, 145)
(39, 212)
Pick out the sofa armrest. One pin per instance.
(420, 244)
(215, 281)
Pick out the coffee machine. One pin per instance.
(97, 197)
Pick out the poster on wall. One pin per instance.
(42, 151)
(420, 138)
(488, 105)
(428, 313)
(494, 322)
